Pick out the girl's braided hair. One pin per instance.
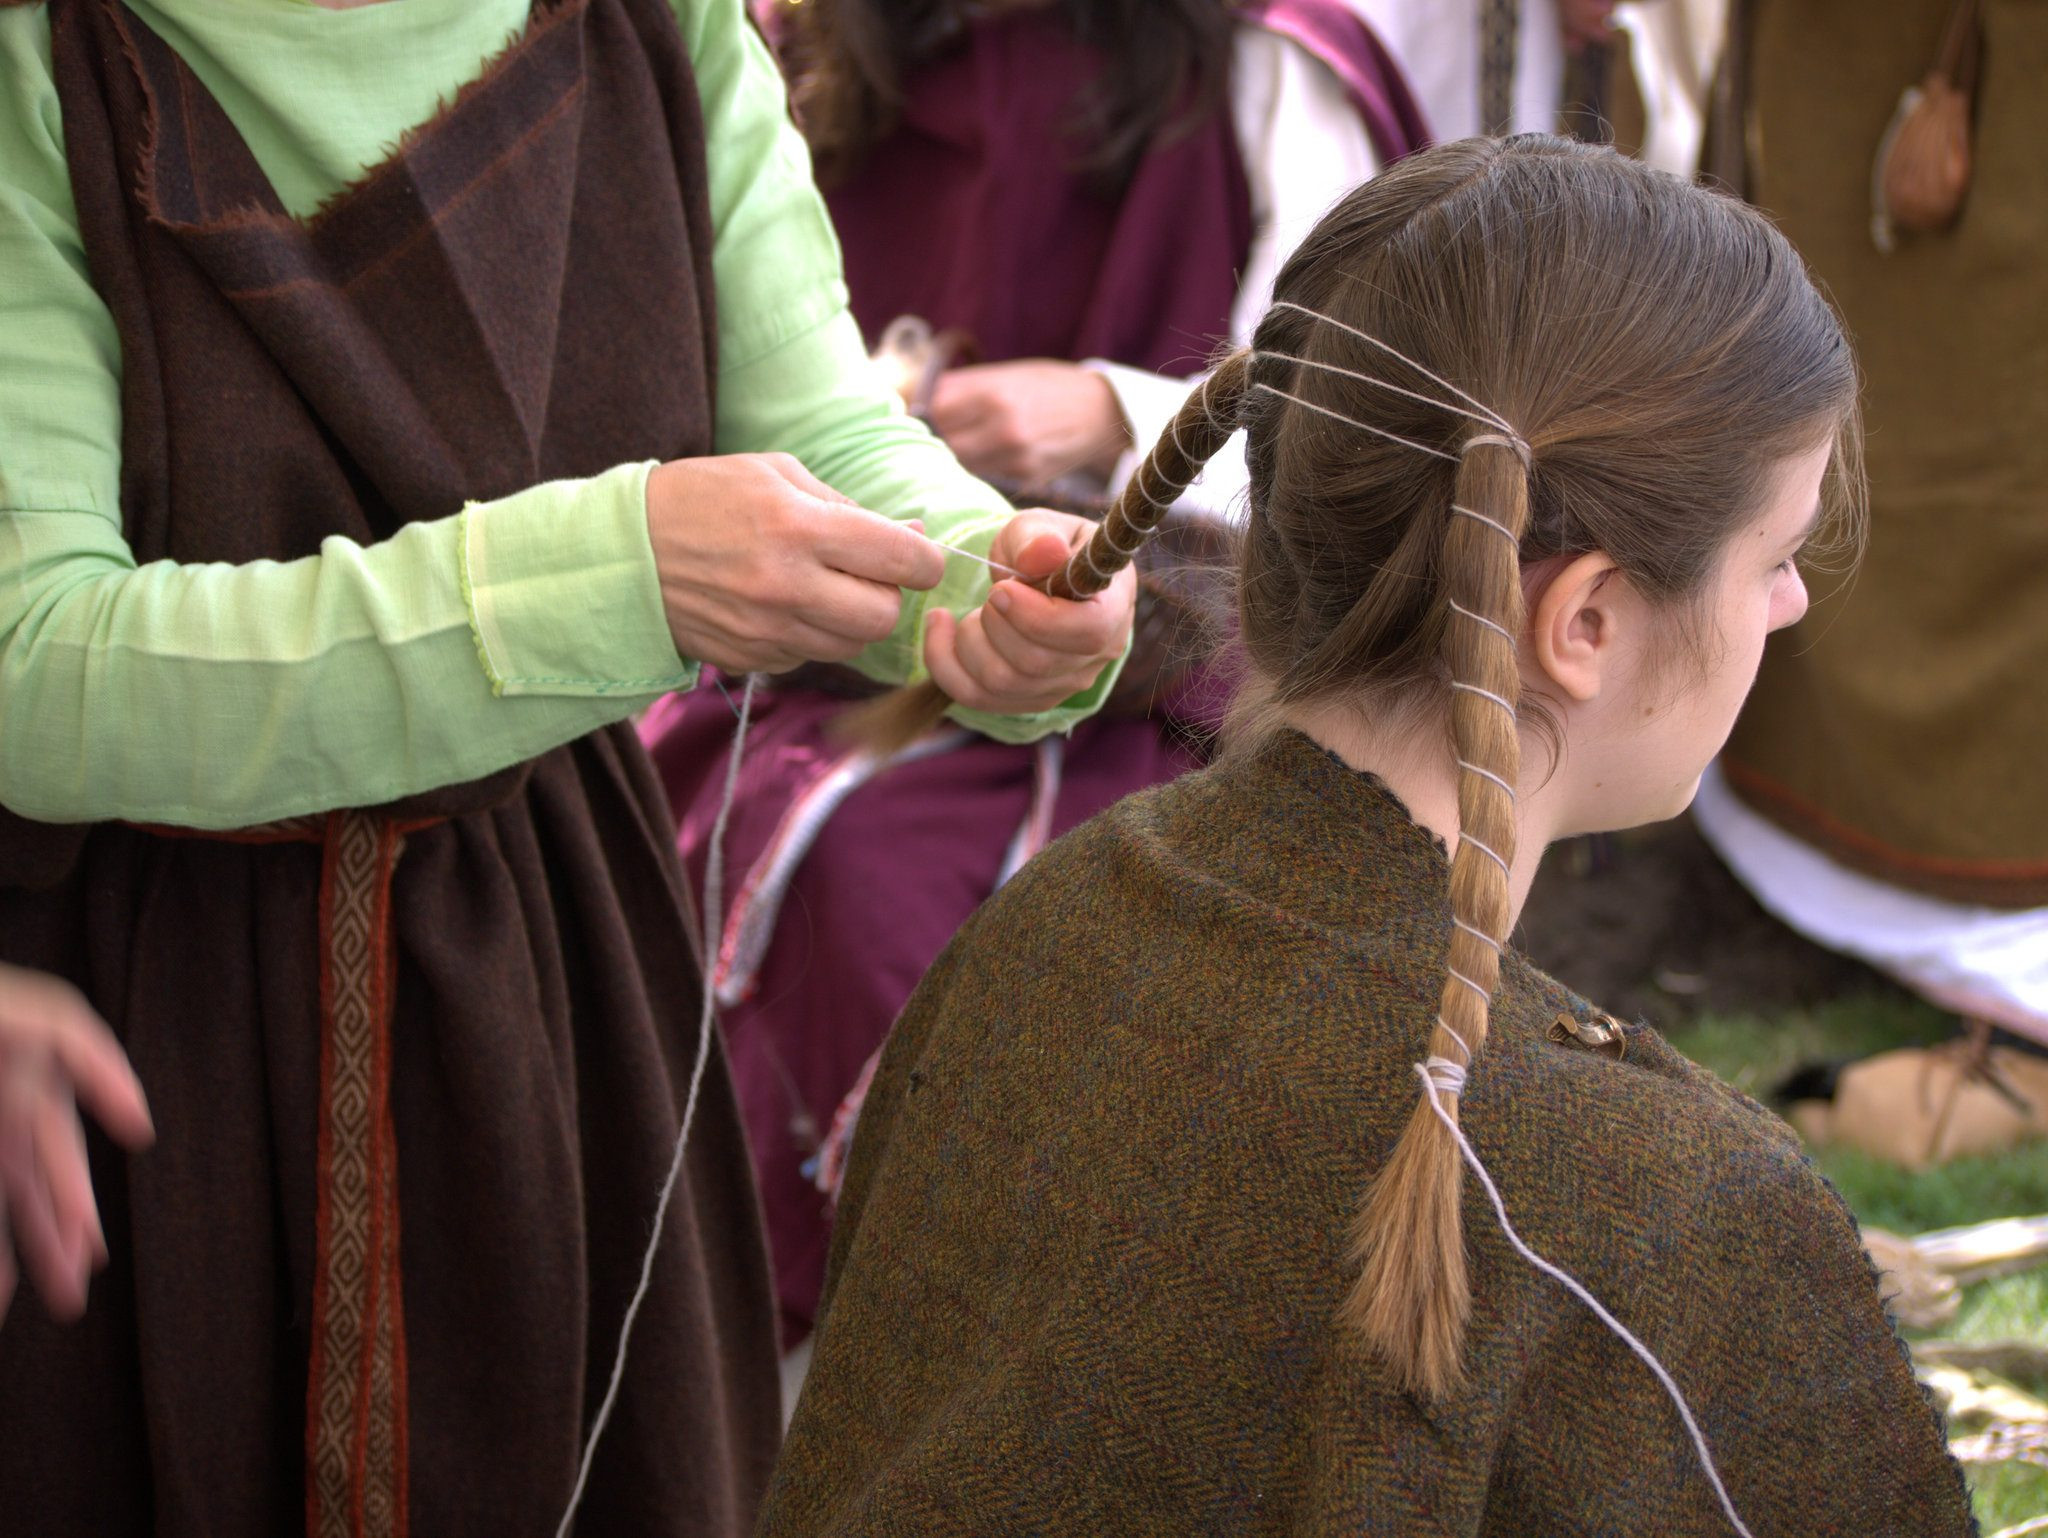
(1493, 354)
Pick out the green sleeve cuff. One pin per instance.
(562, 594)
(965, 586)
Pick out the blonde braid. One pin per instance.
(1203, 425)
(1413, 1295)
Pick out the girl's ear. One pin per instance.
(1579, 616)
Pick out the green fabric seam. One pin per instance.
(476, 629)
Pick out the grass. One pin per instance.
(1755, 1053)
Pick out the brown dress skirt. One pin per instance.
(417, 1070)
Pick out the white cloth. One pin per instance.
(1675, 46)
(1436, 43)
(1984, 962)
(1303, 146)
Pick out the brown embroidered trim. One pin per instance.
(355, 1390)
(355, 1386)
(2003, 883)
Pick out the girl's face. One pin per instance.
(1667, 716)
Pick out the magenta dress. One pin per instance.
(844, 881)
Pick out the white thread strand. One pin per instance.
(1495, 524)
(1209, 403)
(1487, 774)
(1088, 555)
(1448, 1031)
(714, 920)
(1487, 694)
(1364, 427)
(1173, 432)
(1478, 934)
(1008, 571)
(1488, 850)
(1444, 1074)
(1366, 336)
(1509, 440)
(1559, 1275)
(1119, 549)
(1494, 625)
(1484, 996)
(1144, 480)
(1368, 379)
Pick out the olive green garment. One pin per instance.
(1093, 1234)
(1901, 725)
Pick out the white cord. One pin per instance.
(1364, 427)
(714, 902)
(1435, 1075)
(1367, 337)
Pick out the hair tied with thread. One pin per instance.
(1514, 442)
(1413, 1293)
(1204, 423)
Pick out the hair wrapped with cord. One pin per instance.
(1412, 1296)
(1203, 424)
(1494, 354)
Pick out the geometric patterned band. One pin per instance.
(355, 1391)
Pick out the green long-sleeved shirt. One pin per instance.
(220, 696)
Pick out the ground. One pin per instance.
(1651, 926)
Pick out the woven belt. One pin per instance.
(355, 1389)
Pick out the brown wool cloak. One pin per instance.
(416, 1070)
(1901, 726)
(1090, 1243)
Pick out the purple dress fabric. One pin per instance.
(970, 215)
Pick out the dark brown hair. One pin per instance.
(1621, 363)
(1166, 66)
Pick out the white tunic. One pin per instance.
(1987, 963)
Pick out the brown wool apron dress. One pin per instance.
(416, 1070)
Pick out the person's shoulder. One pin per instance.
(1662, 1125)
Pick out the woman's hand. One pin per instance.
(54, 1053)
(1030, 422)
(763, 566)
(1023, 652)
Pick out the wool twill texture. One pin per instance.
(1091, 1236)
(521, 292)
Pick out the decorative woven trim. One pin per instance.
(355, 1389)
(1993, 883)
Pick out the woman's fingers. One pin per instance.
(851, 609)
(8, 1273)
(67, 1174)
(1093, 627)
(875, 549)
(1028, 657)
(103, 1080)
(51, 1263)
(965, 663)
(56, 1053)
